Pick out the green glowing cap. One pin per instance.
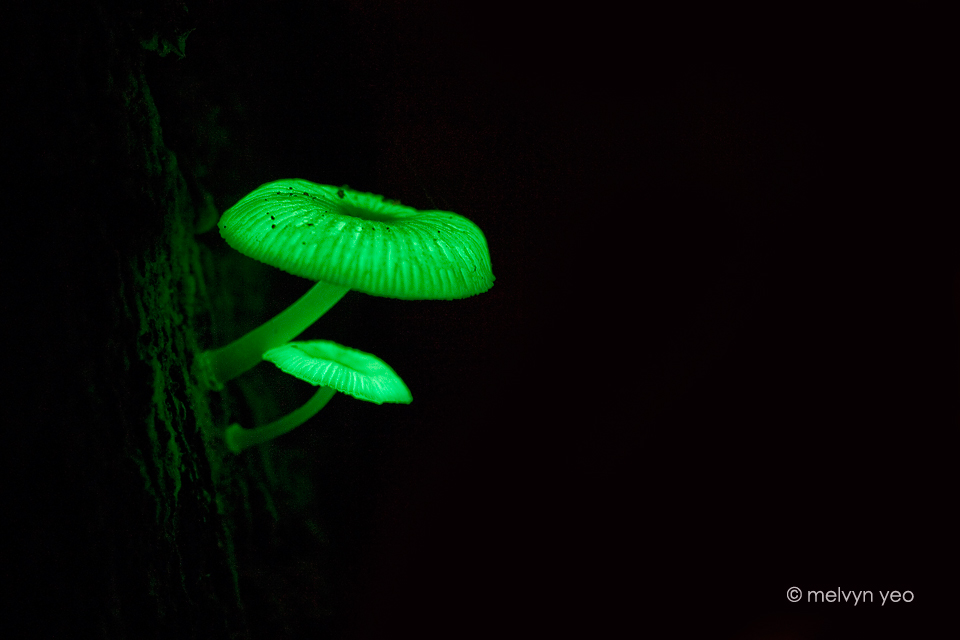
(323, 363)
(360, 240)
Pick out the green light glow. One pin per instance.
(332, 367)
(361, 375)
(360, 240)
(228, 362)
(239, 438)
(343, 239)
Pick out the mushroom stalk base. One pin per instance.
(220, 365)
(239, 438)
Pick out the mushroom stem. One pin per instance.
(220, 365)
(239, 438)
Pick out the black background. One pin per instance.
(719, 359)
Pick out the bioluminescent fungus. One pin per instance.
(344, 239)
(333, 368)
(323, 363)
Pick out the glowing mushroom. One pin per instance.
(333, 368)
(344, 239)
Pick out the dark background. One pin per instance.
(719, 359)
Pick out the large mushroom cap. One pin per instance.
(360, 240)
(328, 364)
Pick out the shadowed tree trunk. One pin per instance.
(120, 526)
(128, 517)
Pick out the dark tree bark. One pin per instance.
(118, 511)
(128, 517)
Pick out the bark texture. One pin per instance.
(117, 500)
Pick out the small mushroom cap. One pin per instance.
(324, 363)
(360, 240)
